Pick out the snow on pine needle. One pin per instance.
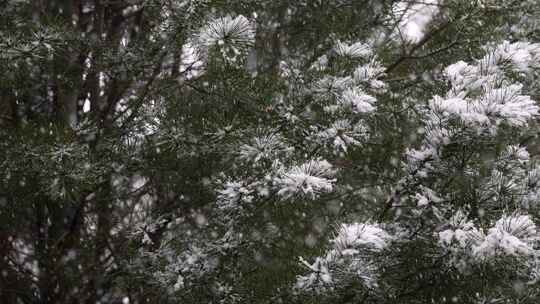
(237, 31)
(461, 232)
(348, 258)
(490, 69)
(506, 103)
(266, 145)
(233, 194)
(355, 50)
(232, 36)
(330, 86)
(497, 105)
(351, 237)
(309, 179)
(370, 75)
(518, 56)
(358, 100)
(482, 97)
(342, 134)
(512, 235)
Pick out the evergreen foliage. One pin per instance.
(243, 151)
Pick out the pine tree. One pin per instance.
(235, 151)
